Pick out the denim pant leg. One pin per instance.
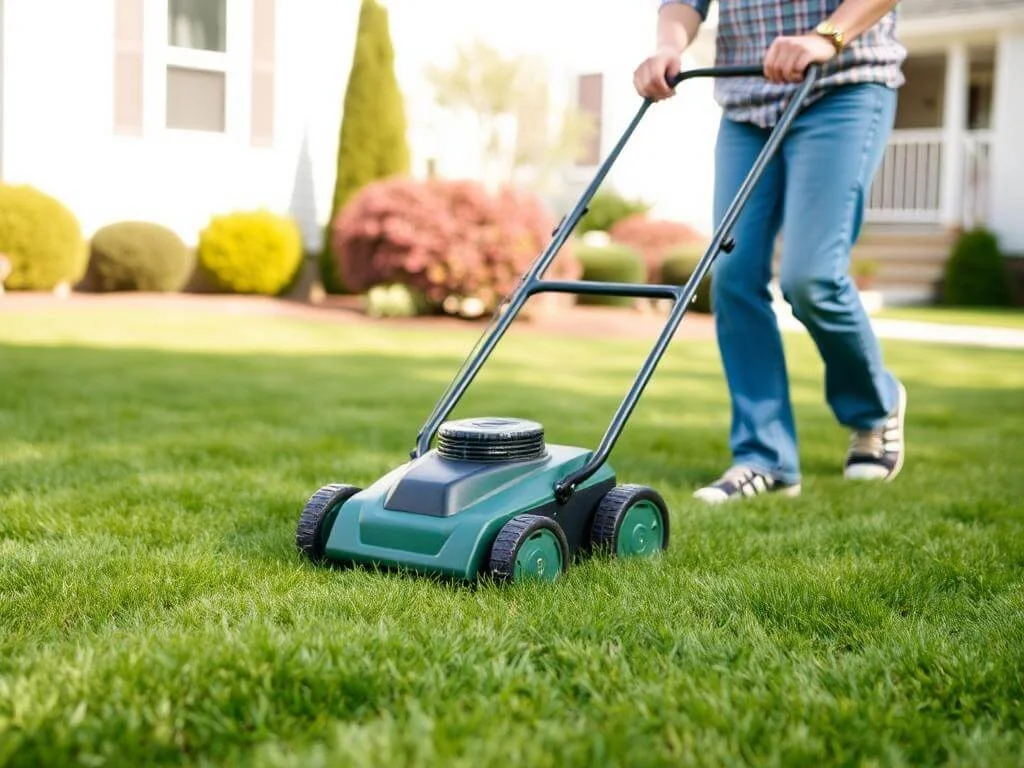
(762, 435)
(831, 155)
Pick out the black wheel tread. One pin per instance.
(310, 527)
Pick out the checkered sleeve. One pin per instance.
(701, 6)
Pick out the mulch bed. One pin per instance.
(579, 321)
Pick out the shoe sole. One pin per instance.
(902, 411)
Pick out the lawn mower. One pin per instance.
(493, 498)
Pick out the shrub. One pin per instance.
(373, 143)
(611, 264)
(394, 300)
(443, 238)
(653, 238)
(677, 268)
(251, 251)
(976, 273)
(607, 209)
(41, 237)
(139, 256)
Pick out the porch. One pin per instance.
(937, 167)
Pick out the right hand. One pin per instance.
(652, 76)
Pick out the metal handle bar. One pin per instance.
(530, 283)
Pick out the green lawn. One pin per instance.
(993, 317)
(153, 610)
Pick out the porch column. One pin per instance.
(1007, 209)
(954, 123)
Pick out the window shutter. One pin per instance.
(263, 50)
(591, 104)
(128, 77)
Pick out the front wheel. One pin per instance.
(529, 548)
(631, 521)
(318, 516)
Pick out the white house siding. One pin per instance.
(1008, 160)
(58, 132)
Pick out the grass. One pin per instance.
(979, 316)
(153, 611)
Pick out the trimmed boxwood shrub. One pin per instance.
(611, 264)
(444, 238)
(251, 251)
(976, 272)
(41, 237)
(678, 267)
(139, 256)
(608, 208)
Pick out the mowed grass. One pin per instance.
(993, 317)
(153, 609)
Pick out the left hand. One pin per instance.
(788, 58)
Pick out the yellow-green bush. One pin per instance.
(139, 256)
(41, 237)
(611, 263)
(251, 251)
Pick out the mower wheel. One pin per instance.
(631, 520)
(529, 547)
(317, 516)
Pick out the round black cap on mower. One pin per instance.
(491, 439)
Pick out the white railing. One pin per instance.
(908, 185)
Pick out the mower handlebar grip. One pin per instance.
(732, 70)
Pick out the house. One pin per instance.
(174, 110)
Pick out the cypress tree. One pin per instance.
(373, 143)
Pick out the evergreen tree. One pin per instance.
(373, 143)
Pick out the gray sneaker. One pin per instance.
(741, 482)
(878, 454)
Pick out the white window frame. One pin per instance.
(235, 63)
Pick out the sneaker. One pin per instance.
(743, 482)
(877, 454)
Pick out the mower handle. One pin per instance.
(532, 282)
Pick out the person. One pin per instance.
(813, 194)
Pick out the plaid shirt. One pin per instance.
(746, 28)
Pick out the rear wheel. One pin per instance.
(631, 520)
(318, 516)
(529, 548)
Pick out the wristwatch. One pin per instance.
(833, 33)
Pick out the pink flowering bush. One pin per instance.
(443, 238)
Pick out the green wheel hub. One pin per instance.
(641, 532)
(539, 557)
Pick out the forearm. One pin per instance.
(677, 26)
(855, 17)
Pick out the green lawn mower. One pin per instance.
(493, 498)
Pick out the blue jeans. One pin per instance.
(813, 191)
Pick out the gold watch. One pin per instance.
(833, 33)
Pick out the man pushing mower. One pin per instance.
(812, 191)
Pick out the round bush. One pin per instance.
(139, 256)
(251, 251)
(611, 264)
(606, 209)
(976, 273)
(444, 238)
(41, 237)
(677, 268)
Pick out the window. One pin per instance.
(197, 65)
(202, 66)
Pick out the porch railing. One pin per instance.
(908, 186)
